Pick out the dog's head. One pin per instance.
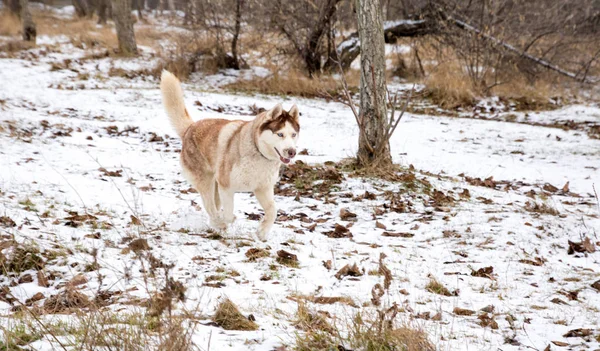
(278, 133)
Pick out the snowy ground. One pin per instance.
(78, 140)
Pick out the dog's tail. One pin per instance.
(174, 103)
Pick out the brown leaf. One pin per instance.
(339, 232)
(380, 225)
(346, 215)
(579, 332)
(463, 312)
(560, 343)
(485, 272)
(398, 235)
(287, 258)
(596, 285)
(565, 188)
(550, 188)
(588, 245)
(7, 222)
(42, 281)
(254, 253)
(327, 264)
(347, 270)
(538, 261)
(135, 220)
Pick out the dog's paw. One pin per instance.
(218, 224)
(229, 220)
(261, 235)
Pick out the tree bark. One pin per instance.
(311, 55)
(102, 11)
(29, 31)
(82, 8)
(373, 148)
(236, 34)
(13, 6)
(124, 26)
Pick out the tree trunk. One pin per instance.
(124, 26)
(373, 148)
(310, 53)
(236, 34)
(102, 11)
(13, 6)
(29, 31)
(82, 8)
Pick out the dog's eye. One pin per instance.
(280, 135)
(293, 135)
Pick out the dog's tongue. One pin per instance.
(284, 160)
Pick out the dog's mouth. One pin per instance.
(281, 158)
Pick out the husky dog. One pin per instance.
(221, 157)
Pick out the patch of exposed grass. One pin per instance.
(293, 83)
(229, 317)
(20, 258)
(540, 208)
(434, 286)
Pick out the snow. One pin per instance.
(491, 228)
(391, 24)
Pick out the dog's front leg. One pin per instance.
(265, 198)
(226, 196)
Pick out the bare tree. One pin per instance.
(13, 6)
(29, 31)
(103, 9)
(236, 33)
(307, 46)
(121, 10)
(83, 8)
(373, 146)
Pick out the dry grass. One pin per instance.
(374, 334)
(9, 24)
(294, 83)
(434, 286)
(188, 54)
(229, 317)
(449, 87)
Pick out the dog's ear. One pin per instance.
(274, 112)
(294, 112)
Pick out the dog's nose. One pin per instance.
(291, 153)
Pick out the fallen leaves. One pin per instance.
(584, 246)
(485, 272)
(339, 231)
(348, 270)
(538, 261)
(346, 215)
(463, 311)
(255, 253)
(7, 222)
(398, 235)
(287, 259)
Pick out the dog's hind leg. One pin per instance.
(266, 199)
(206, 186)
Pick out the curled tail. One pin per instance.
(174, 103)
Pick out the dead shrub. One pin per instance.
(293, 83)
(540, 208)
(229, 317)
(65, 301)
(434, 286)
(449, 87)
(9, 24)
(20, 258)
(190, 53)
